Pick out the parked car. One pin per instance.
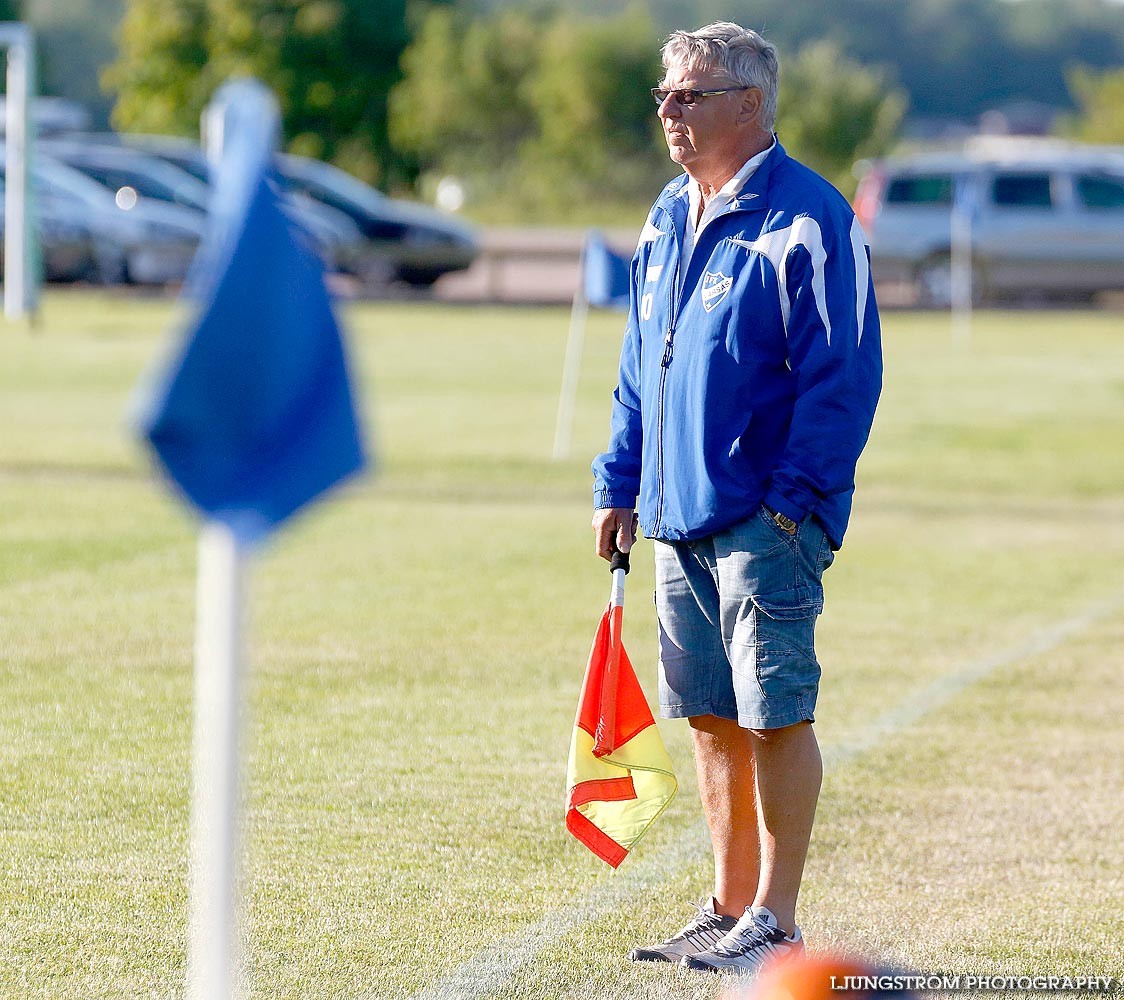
(401, 240)
(147, 242)
(411, 242)
(67, 244)
(131, 175)
(1046, 219)
(50, 115)
(176, 170)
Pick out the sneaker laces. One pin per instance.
(749, 934)
(706, 917)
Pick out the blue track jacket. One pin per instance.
(758, 382)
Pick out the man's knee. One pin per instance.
(783, 735)
(712, 724)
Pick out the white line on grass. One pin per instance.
(948, 686)
(495, 965)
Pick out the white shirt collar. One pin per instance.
(724, 195)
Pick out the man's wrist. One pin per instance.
(603, 500)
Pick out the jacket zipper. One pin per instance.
(665, 363)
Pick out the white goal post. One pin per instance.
(21, 271)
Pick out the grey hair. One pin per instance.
(739, 53)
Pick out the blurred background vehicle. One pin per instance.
(411, 242)
(69, 246)
(51, 115)
(357, 230)
(130, 174)
(146, 242)
(182, 177)
(1046, 219)
(132, 209)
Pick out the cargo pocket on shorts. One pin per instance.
(779, 628)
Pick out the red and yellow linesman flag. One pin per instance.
(620, 777)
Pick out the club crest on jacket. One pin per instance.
(715, 287)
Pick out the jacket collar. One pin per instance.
(756, 188)
(752, 195)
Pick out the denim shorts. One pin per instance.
(737, 614)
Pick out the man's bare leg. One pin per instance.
(759, 790)
(724, 763)
(789, 773)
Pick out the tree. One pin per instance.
(832, 111)
(462, 106)
(552, 110)
(159, 76)
(597, 135)
(1100, 99)
(330, 62)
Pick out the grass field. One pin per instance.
(417, 645)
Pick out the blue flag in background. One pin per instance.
(254, 417)
(605, 277)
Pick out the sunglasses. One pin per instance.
(688, 97)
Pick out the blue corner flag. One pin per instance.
(254, 417)
(606, 275)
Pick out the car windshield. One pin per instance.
(61, 181)
(1100, 192)
(183, 156)
(330, 184)
(920, 189)
(181, 190)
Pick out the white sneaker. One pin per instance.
(755, 940)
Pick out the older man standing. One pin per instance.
(749, 376)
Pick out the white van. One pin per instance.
(1046, 219)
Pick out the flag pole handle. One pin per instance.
(618, 564)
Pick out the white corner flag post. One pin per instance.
(214, 944)
(571, 365)
(214, 951)
(960, 261)
(21, 272)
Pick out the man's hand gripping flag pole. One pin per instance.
(620, 777)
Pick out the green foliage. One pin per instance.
(334, 62)
(331, 63)
(543, 110)
(597, 135)
(1100, 98)
(159, 75)
(955, 58)
(462, 106)
(832, 111)
(556, 111)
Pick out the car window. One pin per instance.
(920, 189)
(1022, 190)
(1100, 192)
(114, 179)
